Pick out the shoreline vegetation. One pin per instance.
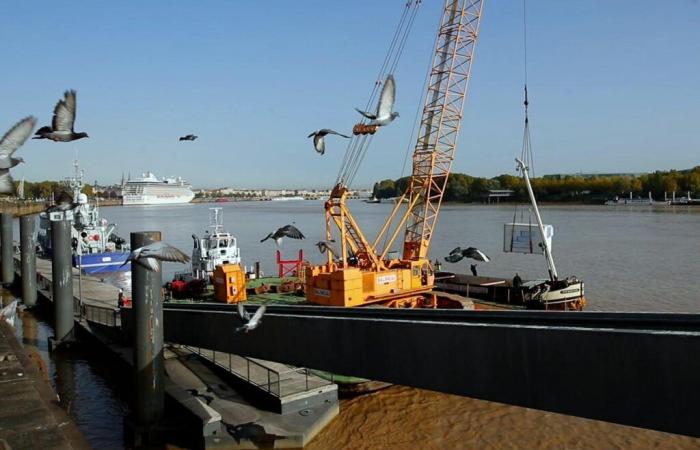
(568, 189)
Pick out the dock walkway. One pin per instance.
(29, 413)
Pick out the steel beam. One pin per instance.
(148, 337)
(27, 246)
(634, 369)
(7, 264)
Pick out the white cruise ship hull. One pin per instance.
(158, 199)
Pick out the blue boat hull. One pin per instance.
(102, 262)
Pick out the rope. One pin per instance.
(358, 145)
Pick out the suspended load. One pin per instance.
(526, 238)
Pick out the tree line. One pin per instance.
(564, 188)
(43, 190)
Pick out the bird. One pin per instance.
(64, 203)
(325, 246)
(148, 255)
(61, 129)
(320, 142)
(289, 231)
(458, 254)
(385, 114)
(10, 142)
(189, 137)
(250, 323)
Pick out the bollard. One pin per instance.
(62, 281)
(27, 259)
(7, 264)
(148, 340)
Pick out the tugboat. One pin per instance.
(96, 249)
(216, 247)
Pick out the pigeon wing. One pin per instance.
(242, 312)
(386, 98)
(336, 133)
(6, 183)
(366, 114)
(292, 232)
(454, 258)
(17, 136)
(170, 253)
(456, 251)
(258, 315)
(63, 118)
(476, 254)
(148, 262)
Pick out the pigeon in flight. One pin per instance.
(61, 129)
(458, 254)
(189, 137)
(289, 231)
(320, 142)
(250, 323)
(63, 203)
(325, 246)
(384, 115)
(149, 255)
(13, 140)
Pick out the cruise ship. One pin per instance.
(149, 190)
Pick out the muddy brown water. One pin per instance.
(632, 259)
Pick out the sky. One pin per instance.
(614, 87)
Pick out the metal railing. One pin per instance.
(99, 314)
(277, 383)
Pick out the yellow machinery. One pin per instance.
(370, 276)
(229, 283)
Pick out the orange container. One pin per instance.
(229, 283)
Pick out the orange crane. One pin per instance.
(363, 272)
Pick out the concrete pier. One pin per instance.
(62, 282)
(29, 413)
(28, 259)
(148, 337)
(7, 272)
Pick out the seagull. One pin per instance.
(61, 129)
(325, 246)
(384, 114)
(458, 254)
(250, 323)
(189, 137)
(289, 231)
(320, 142)
(148, 255)
(9, 143)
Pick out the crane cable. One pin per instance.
(358, 145)
(526, 155)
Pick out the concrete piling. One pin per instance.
(28, 259)
(62, 280)
(7, 264)
(148, 341)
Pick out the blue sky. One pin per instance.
(614, 86)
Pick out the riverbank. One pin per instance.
(30, 415)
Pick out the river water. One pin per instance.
(632, 259)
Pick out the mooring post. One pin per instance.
(27, 248)
(62, 280)
(148, 343)
(7, 265)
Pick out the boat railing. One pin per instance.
(98, 314)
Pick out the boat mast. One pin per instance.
(547, 252)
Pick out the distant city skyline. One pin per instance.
(251, 81)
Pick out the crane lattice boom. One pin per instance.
(440, 123)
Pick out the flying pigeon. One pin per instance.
(9, 312)
(289, 231)
(189, 137)
(63, 204)
(325, 246)
(9, 143)
(384, 114)
(250, 323)
(61, 129)
(458, 254)
(148, 255)
(320, 142)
